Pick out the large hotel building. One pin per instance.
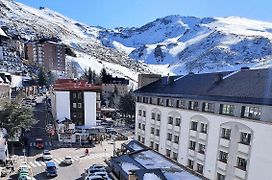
(217, 124)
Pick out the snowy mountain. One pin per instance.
(173, 44)
(188, 44)
(30, 23)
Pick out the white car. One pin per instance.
(67, 160)
(94, 177)
(47, 155)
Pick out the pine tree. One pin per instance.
(43, 80)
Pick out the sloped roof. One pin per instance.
(245, 86)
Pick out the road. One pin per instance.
(98, 153)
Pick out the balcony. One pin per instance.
(191, 152)
(157, 138)
(243, 148)
(176, 129)
(200, 156)
(240, 173)
(175, 146)
(168, 143)
(202, 136)
(224, 142)
(221, 165)
(153, 121)
(170, 126)
(193, 133)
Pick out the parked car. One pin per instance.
(51, 169)
(95, 168)
(104, 174)
(46, 155)
(94, 177)
(67, 160)
(39, 143)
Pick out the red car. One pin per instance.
(39, 143)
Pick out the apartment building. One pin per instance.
(113, 83)
(217, 124)
(47, 53)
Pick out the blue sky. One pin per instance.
(128, 13)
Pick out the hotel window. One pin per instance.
(168, 152)
(143, 127)
(175, 156)
(160, 101)
(199, 168)
(241, 163)
(170, 120)
(225, 133)
(143, 139)
(74, 105)
(79, 95)
(177, 122)
(139, 138)
(74, 95)
(140, 113)
(223, 156)
(193, 105)
(152, 130)
(157, 132)
(80, 115)
(203, 128)
(251, 112)
(153, 100)
(227, 109)
(169, 136)
(192, 145)
(138, 99)
(176, 139)
(150, 100)
(193, 125)
(139, 125)
(144, 114)
(190, 163)
(74, 115)
(245, 138)
(158, 117)
(157, 147)
(220, 177)
(151, 144)
(201, 148)
(208, 107)
(145, 99)
(153, 116)
(79, 105)
(169, 103)
(180, 104)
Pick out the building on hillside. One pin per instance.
(76, 103)
(11, 53)
(217, 124)
(47, 53)
(5, 89)
(112, 84)
(3, 146)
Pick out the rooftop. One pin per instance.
(71, 84)
(146, 163)
(245, 86)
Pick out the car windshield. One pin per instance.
(39, 141)
(51, 168)
(47, 153)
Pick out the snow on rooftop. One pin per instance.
(135, 146)
(151, 176)
(128, 166)
(152, 160)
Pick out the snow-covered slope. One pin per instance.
(193, 44)
(30, 23)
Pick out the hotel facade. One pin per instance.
(217, 124)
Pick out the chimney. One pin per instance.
(145, 79)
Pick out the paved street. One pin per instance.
(97, 154)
